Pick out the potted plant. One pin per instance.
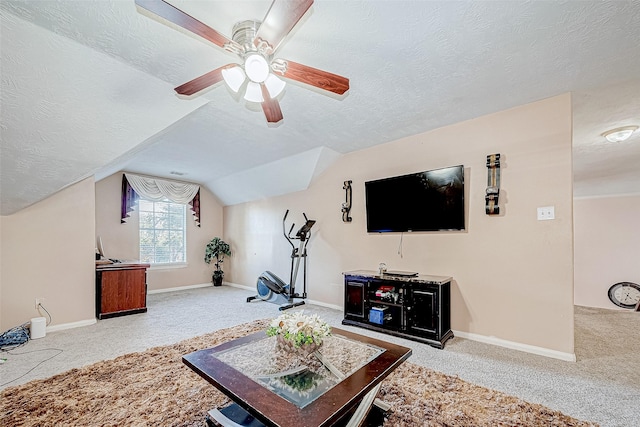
(297, 332)
(215, 251)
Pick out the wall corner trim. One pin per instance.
(540, 351)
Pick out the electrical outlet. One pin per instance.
(546, 213)
(38, 302)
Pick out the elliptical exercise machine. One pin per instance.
(270, 287)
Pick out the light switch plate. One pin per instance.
(546, 213)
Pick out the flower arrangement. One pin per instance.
(299, 328)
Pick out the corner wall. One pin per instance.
(513, 275)
(121, 241)
(48, 252)
(607, 242)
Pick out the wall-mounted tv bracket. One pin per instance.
(493, 185)
(346, 206)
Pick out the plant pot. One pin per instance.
(288, 346)
(217, 280)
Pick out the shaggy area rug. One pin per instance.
(154, 387)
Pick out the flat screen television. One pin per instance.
(424, 201)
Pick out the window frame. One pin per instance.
(168, 228)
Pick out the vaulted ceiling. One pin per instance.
(87, 89)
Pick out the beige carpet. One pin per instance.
(154, 387)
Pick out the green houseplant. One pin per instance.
(215, 251)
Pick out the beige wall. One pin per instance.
(2, 325)
(48, 252)
(513, 275)
(607, 244)
(121, 240)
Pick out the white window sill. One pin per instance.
(168, 266)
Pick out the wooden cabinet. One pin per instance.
(121, 289)
(414, 307)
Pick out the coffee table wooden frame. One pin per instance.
(273, 410)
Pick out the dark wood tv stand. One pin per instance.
(414, 307)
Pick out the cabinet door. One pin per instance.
(123, 290)
(354, 299)
(422, 312)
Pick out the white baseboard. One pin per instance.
(541, 351)
(179, 288)
(236, 285)
(324, 304)
(307, 301)
(71, 325)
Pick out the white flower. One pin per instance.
(299, 327)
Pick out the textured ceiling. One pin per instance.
(87, 89)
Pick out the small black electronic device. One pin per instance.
(424, 201)
(401, 273)
(304, 231)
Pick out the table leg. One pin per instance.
(235, 416)
(363, 408)
(232, 416)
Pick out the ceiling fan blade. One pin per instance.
(280, 19)
(182, 19)
(270, 106)
(202, 82)
(314, 77)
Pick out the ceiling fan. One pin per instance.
(255, 43)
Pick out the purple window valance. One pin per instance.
(156, 189)
(195, 207)
(129, 200)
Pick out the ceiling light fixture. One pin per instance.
(256, 68)
(234, 77)
(619, 134)
(274, 85)
(253, 93)
(255, 44)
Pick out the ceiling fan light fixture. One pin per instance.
(274, 85)
(253, 93)
(254, 42)
(233, 77)
(256, 67)
(619, 134)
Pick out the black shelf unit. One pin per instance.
(414, 307)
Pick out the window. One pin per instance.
(162, 232)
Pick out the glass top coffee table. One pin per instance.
(273, 387)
